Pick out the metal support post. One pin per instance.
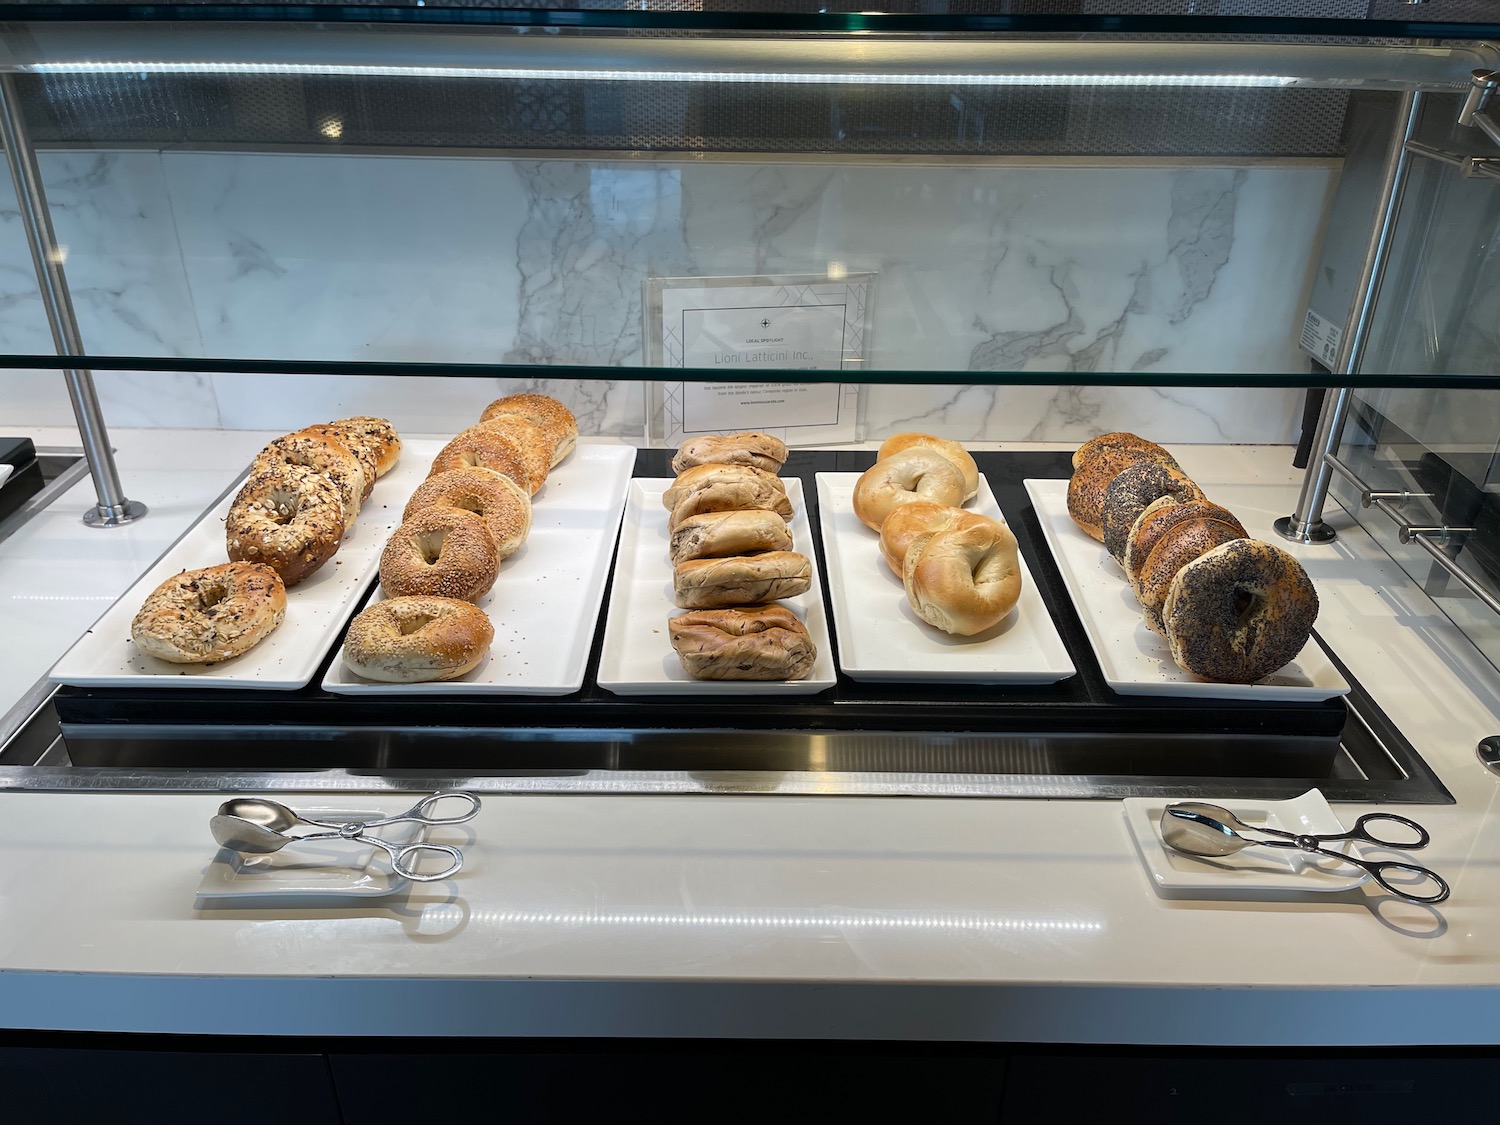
(113, 508)
(1305, 524)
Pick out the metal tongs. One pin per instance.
(257, 825)
(1198, 828)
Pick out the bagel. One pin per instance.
(952, 450)
(212, 614)
(444, 552)
(1238, 612)
(481, 448)
(766, 577)
(902, 478)
(701, 477)
(1161, 515)
(322, 455)
(921, 517)
(531, 442)
(1178, 546)
(499, 501)
(363, 454)
(963, 580)
(725, 488)
(373, 440)
(1120, 440)
(717, 535)
(1129, 494)
(417, 639)
(1089, 485)
(753, 642)
(760, 451)
(552, 417)
(288, 517)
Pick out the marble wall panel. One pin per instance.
(1059, 269)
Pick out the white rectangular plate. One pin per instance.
(1254, 869)
(1134, 660)
(880, 638)
(313, 869)
(637, 658)
(545, 604)
(316, 609)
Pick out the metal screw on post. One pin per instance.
(113, 508)
(1305, 524)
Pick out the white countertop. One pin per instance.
(1009, 920)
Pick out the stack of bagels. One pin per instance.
(960, 570)
(302, 496)
(1233, 609)
(471, 513)
(732, 562)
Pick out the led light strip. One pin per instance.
(852, 77)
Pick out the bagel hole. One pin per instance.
(406, 626)
(284, 506)
(210, 596)
(430, 545)
(1246, 604)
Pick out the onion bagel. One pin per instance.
(754, 642)
(288, 517)
(718, 535)
(496, 499)
(417, 639)
(1238, 612)
(963, 580)
(766, 577)
(445, 552)
(209, 615)
(760, 451)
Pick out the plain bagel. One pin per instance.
(418, 639)
(907, 522)
(903, 478)
(963, 580)
(962, 460)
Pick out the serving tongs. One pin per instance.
(258, 825)
(1198, 828)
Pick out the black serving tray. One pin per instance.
(1075, 726)
(26, 481)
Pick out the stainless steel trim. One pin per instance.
(1473, 167)
(1305, 524)
(835, 57)
(49, 492)
(1433, 548)
(113, 507)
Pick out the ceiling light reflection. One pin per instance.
(858, 78)
(958, 923)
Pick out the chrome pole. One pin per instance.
(112, 508)
(1305, 524)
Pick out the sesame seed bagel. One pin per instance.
(532, 444)
(552, 417)
(1239, 612)
(444, 552)
(417, 639)
(482, 448)
(499, 501)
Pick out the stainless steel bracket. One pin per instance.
(1473, 115)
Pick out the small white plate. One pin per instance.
(545, 604)
(315, 869)
(881, 639)
(315, 609)
(1279, 870)
(1134, 660)
(637, 657)
(5, 471)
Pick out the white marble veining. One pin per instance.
(1034, 268)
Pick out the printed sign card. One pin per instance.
(743, 324)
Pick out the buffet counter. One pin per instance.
(747, 916)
